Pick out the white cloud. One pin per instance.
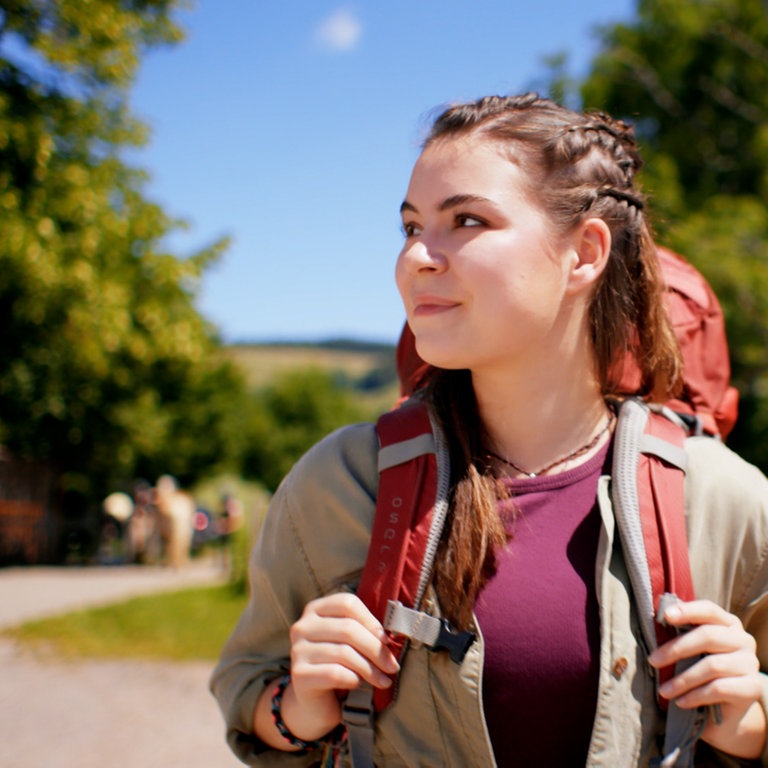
(339, 32)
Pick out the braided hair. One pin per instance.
(577, 166)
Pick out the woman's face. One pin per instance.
(482, 275)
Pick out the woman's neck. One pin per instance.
(536, 419)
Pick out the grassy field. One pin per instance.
(261, 363)
(366, 371)
(191, 624)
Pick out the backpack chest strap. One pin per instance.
(435, 633)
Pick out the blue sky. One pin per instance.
(292, 127)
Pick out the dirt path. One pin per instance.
(100, 714)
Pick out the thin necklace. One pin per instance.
(572, 455)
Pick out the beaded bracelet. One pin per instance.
(336, 736)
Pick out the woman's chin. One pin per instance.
(439, 357)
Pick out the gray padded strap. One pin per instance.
(630, 429)
(399, 453)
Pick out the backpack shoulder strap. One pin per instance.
(647, 487)
(649, 465)
(411, 504)
(404, 508)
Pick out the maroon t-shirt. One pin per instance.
(539, 619)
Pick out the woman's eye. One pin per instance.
(410, 229)
(465, 220)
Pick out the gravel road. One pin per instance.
(101, 713)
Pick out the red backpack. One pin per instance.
(647, 490)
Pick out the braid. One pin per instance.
(630, 198)
(614, 136)
(600, 155)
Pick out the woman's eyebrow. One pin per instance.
(456, 200)
(450, 202)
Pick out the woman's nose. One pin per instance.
(426, 253)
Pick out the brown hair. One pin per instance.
(580, 166)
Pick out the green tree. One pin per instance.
(106, 367)
(692, 75)
(291, 415)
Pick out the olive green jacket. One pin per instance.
(316, 534)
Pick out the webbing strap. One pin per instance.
(629, 431)
(647, 490)
(406, 450)
(660, 499)
(415, 625)
(673, 454)
(358, 720)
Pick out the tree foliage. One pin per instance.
(288, 417)
(692, 75)
(106, 367)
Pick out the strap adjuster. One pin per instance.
(357, 708)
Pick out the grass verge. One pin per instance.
(190, 624)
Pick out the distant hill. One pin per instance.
(364, 366)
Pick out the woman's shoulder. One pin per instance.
(348, 454)
(334, 483)
(319, 519)
(727, 522)
(720, 479)
(711, 463)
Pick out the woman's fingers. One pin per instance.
(728, 670)
(344, 619)
(346, 605)
(716, 678)
(337, 670)
(364, 656)
(706, 628)
(336, 643)
(698, 612)
(704, 639)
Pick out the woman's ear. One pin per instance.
(592, 247)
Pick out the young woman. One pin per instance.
(527, 272)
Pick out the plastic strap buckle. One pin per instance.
(456, 643)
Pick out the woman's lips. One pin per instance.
(432, 305)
